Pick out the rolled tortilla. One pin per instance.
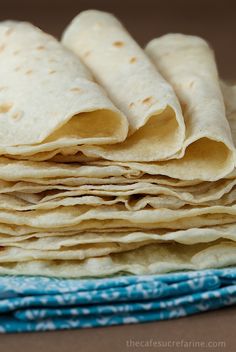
(208, 152)
(229, 94)
(188, 63)
(48, 100)
(156, 123)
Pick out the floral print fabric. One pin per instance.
(41, 303)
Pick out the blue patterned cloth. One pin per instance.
(41, 303)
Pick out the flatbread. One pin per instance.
(63, 241)
(80, 252)
(45, 107)
(134, 197)
(188, 63)
(156, 123)
(149, 194)
(87, 217)
(152, 259)
(229, 94)
(207, 152)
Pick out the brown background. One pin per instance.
(211, 326)
(214, 20)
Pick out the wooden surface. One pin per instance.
(206, 329)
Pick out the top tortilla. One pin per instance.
(156, 123)
(48, 99)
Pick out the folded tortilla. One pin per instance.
(48, 100)
(188, 63)
(229, 94)
(156, 123)
(117, 62)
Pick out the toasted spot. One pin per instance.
(17, 68)
(52, 60)
(147, 100)
(87, 53)
(16, 52)
(118, 44)
(184, 106)
(133, 60)
(2, 88)
(29, 72)
(2, 47)
(76, 89)
(52, 71)
(40, 47)
(9, 31)
(191, 84)
(17, 115)
(131, 105)
(5, 107)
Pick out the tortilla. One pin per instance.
(12, 170)
(87, 217)
(207, 153)
(229, 94)
(188, 64)
(139, 196)
(151, 259)
(63, 241)
(45, 107)
(134, 197)
(80, 252)
(199, 194)
(155, 119)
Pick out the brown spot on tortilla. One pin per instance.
(16, 52)
(87, 53)
(5, 107)
(2, 248)
(2, 47)
(2, 88)
(133, 60)
(147, 100)
(183, 106)
(29, 72)
(52, 60)
(191, 84)
(131, 105)
(17, 115)
(17, 68)
(52, 71)
(76, 89)
(40, 47)
(118, 44)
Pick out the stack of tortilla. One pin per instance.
(113, 159)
